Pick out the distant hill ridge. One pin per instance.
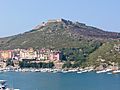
(57, 33)
(82, 28)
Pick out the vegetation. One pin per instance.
(10, 62)
(79, 55)
(25, 64)
(106, 52)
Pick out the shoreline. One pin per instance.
(79, 71)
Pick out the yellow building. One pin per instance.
(5, 54)
(28, 54)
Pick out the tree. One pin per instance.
(10, 62)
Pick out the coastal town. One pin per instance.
(42, 55)
(67, 58)
(46, 56)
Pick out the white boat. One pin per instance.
(65, 71)
(108, 70)
(102, 71)
(79, 72)
(73, 70)
(116, 71)
(84, 71)
(3, 86)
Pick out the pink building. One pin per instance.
(55, 56)
(47, 54)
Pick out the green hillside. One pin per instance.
(57, 34)
(107, 52)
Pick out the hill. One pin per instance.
(108, 53)
(58, 33)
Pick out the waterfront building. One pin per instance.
(6, 54)
(31, 55)
(28, 54)
(47, 54)
(55, 56)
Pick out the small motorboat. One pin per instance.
(3, 86)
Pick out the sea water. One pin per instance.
(61, 81)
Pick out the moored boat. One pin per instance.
(3, 86)
(116, 71)
(79, 72)
(102, 71)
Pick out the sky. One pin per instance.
(18, 16)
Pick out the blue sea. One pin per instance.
(61, 81)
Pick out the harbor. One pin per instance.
(50, 70)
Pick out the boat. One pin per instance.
(108, 70)
(72, 70)
(3, 86)
(116, 71)
(79, 72)
(102, 71)
(84, 71)
(65, 71)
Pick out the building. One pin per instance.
(28, 54)
(47, 54)
(55, 20)
(42, 54)
(20, 54)
(6, 54)
(55, 56)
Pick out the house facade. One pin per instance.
(30, 53)
(6, 54)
